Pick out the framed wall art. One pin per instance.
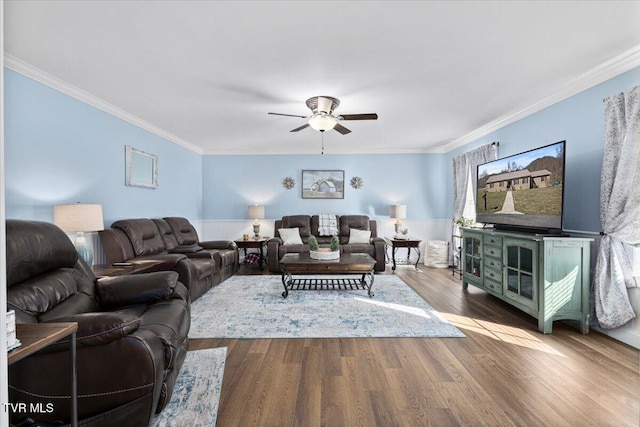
(323, 184)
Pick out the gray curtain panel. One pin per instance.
(619, 209)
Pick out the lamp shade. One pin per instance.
(398, 211)
(256, 212)
(78, 218)
(322, 123)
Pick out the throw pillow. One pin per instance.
(359, 236)
(290, 236)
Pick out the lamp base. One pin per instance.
(256, 230)
(83, 249)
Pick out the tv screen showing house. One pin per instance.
(524, 190)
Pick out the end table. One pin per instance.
(36, 336)
(254, 243)
(403, 243)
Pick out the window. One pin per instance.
(525, 180)
(543, 178)
(491, 185)
(516, 181)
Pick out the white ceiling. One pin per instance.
(205, 74)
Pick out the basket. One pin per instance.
(324, 254)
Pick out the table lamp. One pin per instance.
(399, 212)
(79, 218)
(256, 212)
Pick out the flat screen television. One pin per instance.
(523, 192)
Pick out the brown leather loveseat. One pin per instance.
(174, 244)
(131, 339)
(309, 225)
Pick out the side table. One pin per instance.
(254, 243)
(403, 243)
(35, 337)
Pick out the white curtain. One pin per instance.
(465, 173)
(465, 164)
(619, 209)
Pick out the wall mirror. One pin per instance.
(141, 168)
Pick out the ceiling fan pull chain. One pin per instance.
(322, 152)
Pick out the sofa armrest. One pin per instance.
(137, 288)
(187, 250)
(97, 328)
(273, 251)
(219, 244)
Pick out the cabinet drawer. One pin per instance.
(494, 251)
(494, 263)
(493, 240)
(493, 274)
(493, 285)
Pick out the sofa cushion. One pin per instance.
(359, 236)
(143, 234)
(169, 239)
(290, 236)
(183, 230)
(302, 222)
(347, 222)
(34, 248)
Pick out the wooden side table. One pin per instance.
(254, 243)
(36, 336)
(403, 243)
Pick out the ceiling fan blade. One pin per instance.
(343, 130)
(306, 125)
(288, 115)
(368, 116)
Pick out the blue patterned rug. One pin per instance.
(196, 395)
(253, 307)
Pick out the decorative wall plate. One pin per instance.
(288, 183)
(357, 182)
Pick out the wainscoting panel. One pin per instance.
(425, 230)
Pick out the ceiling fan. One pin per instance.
(323, 118)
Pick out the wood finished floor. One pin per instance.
(504, 373)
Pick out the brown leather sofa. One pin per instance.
(131, 339)
(174, 243)
(309, 224)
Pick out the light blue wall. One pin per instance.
(580, 121)
(61, 150)
(232, 183)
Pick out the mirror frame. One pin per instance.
(135, 177)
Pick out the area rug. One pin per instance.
(253, 307)
(196, 395)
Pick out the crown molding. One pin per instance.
(601, 73)
(53, 82)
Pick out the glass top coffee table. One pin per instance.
(346, 265)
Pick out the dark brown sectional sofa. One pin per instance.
(174, 243)
(131, 339)
(309, 224)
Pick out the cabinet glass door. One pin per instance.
(519, 261)
(472, 255)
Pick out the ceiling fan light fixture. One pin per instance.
(322, 123)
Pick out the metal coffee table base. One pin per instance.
(313, 284)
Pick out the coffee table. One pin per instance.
(348, 264)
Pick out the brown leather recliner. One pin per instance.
(141, 240)
(186, 236)
(131, 338)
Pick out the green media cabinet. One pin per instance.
(544, 276)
